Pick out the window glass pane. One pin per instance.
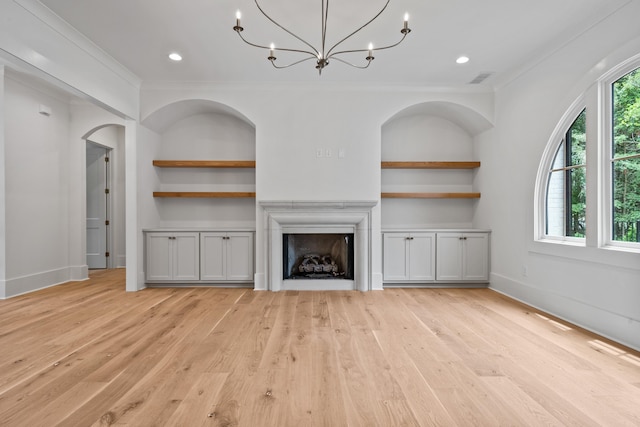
(626, 171)
(555, 204)
(558, 161)
(578, 137)
(626, 200)
(626, 115)
(576, 223)
(566, 188)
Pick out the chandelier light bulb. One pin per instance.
(271, 56)
(370, 57)
(238, 28)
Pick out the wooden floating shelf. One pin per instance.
(430, 195)
(430, 165)
(205, 163)
(205, 194)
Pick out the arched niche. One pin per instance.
(466, 118)
(163, 118)
(199, 129)
(430, 132)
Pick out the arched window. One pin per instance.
(561, 183)
(566, 186)
(611, 184)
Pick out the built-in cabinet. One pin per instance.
(462, 257)
(226, 256)
(173, 256)
(199, 256)
(435, 257)
(409, 257)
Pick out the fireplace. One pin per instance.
(323, 256)
(350, 220)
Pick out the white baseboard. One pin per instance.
(121, 261)
(600, 321)
(376, 282)
(259, 282)
(41, 280)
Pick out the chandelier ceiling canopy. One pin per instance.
(322, 54)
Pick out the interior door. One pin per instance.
(97, 206)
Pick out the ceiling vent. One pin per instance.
(480, 78)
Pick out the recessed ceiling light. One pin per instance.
(462, 60)
(175, 56)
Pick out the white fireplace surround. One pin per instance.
(317, 217)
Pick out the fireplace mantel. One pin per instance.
(317, 216)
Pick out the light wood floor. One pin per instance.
(88, 353)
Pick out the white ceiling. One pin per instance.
(500, 37)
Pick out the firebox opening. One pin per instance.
(318, 256)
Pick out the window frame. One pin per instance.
(606, 156)
(558, 137)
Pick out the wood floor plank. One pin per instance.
(90, 353)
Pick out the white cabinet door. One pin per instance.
(475, 256)
(240, 256)
(449, 256)
(186, 256)
(173, 257)
(159, 257)
(422, 247)
(395, 257)
(409, 257)
(462, 257)
(226, 257)
(213, 256)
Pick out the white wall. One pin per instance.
(593, 287)
(3, 222)
(36, 172)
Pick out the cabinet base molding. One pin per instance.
(201, 285)
(438, 285)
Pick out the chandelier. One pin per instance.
(322, 55)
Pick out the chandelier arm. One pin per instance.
(313, 55)
(367, 23)
(293, 63)
(287, 31)
(350, 64)
(367, 50)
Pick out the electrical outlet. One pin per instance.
(525, 271)
(318, 152)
